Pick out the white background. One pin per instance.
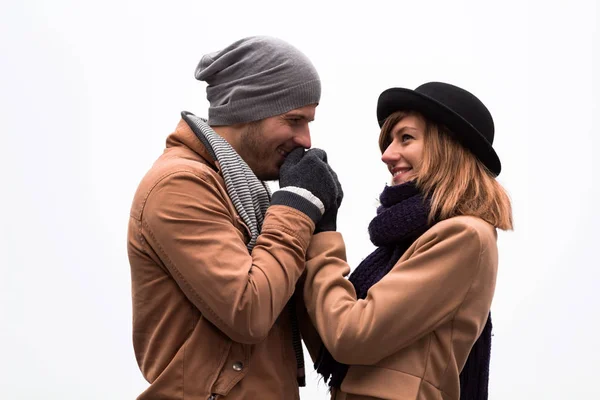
(90, 90)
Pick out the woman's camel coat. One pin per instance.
(410, 338)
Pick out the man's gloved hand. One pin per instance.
(307, 183)
(329, 220)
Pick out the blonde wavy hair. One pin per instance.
(457, 182)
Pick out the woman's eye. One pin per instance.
(405, 138)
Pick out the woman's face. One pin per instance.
(405, 152)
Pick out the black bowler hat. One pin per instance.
(464, 114)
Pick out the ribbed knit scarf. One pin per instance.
(251, 198)
(400, 220)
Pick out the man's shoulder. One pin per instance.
(176, 160)
(170, 166)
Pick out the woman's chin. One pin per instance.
(400, 181)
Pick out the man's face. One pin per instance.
(265, 144)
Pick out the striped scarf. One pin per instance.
(251, 198)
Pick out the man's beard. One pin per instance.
(253, 151)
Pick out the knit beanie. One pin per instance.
(255, 78)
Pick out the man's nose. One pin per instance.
(302, 139)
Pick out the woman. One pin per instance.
(404, 324)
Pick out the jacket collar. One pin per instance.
(184, 137)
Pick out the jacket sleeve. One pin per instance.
(187, 223)
(422, 291)
(310, 336)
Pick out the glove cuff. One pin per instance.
(327, 223)
(300, 199)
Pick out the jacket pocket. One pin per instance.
(233, 369)
(381, 383)
(206, 352)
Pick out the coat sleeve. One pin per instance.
(310, 336)
(187, 223)
(420, 293)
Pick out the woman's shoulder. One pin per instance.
(463, 228)
(466, 222)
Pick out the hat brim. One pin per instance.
(399, 99)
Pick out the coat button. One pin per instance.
(237, 366)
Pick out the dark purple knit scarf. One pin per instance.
(400, 220)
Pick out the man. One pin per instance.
(214, 258)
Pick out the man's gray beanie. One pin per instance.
(255, 78)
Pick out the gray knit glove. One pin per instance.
(307, 184)
(329, 220)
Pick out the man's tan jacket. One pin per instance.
(207, 315)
